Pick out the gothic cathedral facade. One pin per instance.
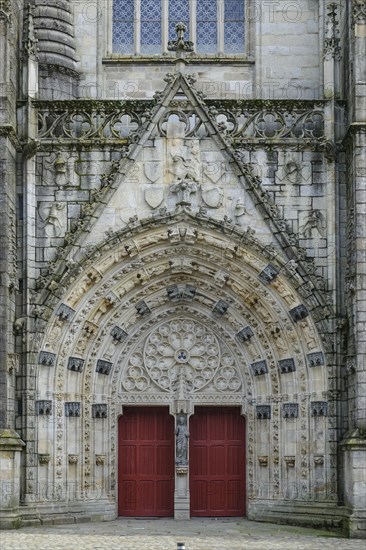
(183, 260)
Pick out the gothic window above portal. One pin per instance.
(144, 27)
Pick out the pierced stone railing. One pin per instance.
(98, 121)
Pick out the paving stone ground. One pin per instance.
(164, 534)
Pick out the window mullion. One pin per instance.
(165, 25)
(137, 23)
(193, 22)
(220, 26)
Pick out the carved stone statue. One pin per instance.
(182, 435)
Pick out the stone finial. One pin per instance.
(180, 45)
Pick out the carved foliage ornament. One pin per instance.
(359, 12)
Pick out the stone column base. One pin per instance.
(10, 448)
(354, 483)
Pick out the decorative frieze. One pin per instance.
(259, 368)
(263, 412)
(268, 274)
(245, 334)
(142, 308)
(103, 367)
(290, 410)
(118, 334)
(220, 308)
(47, 358)
(100, 410)
(75, 364)
(286, 365)
(72, 409)
(315, 359)
(319, 408)
(65, 312)
(44, 408)
(298, 313)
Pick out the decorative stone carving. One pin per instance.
(290, 461)
(359, 12)
(154, 195)
(181, 292)
(65, 312)
(245, 334)
(44, 459)
(99, 460)
(118, 334)
(47, 358)
(263, 461)
(54, 218)
(184, 190)
(73, 460)
(298, 313)
(319, 408)
(259, 368)
(220, 308)
(268, 274)
(182, 435)
(331, 39)
(43, 408)
(72, 409)
(315, 359)
(104, 367)
(75, 364)
(263, 412)
(100, 410)
(286, 365)
(180, 44)
(181, 471)
(182, 344)
(315, 221)
(290, 410)
(142, 308)
(319, 460)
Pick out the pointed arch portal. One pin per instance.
(179, 313)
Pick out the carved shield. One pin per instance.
(153, 171)
(154, 195)
(213, 197)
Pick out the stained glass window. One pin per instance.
(234, 26)
(123, 26)
(146, 19)
(178, 12)
(150, 26)
(206, 27)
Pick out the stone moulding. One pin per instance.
(47, 359)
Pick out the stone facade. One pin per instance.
(183, 230)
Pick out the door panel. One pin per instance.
(217, 462)
(146, 462)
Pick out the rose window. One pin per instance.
(182, 348)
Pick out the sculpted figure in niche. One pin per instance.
(182, 435)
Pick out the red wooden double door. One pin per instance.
(216, 462)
